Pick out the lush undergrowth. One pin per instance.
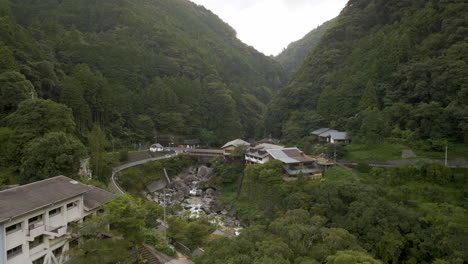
(373, 152)
(134, 180)
(388, 151)
(411, 214)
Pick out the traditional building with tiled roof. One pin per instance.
(231, 145)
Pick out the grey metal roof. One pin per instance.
(289, 155)
(269, 140)
(235, 143)
(261, 150)
(339, 135)
(320, 131)
(327, 133)
(96, 197)
(266, 146)
(27, 198)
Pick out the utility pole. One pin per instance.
(164, 215)
(334, 154)
(446, 154)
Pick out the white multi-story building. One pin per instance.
(259, 154)
(34, 219)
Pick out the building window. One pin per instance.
(58, 251)
(14, 251)
(39, 260)
(72, 205)
(35, 219)
(55, 211)
(36, 242)
(13, 228)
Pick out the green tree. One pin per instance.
(14, 88)
(191, 232)
(10, 150)
(7, 59)
(36, 117)
(390, 246)
(373, 127)
(97, 146)
(351, 257)
(72, 96)
(5, 9)
(54, 154)
(145, 127)
(369, 97)
(123, 219)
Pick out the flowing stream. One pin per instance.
(196, 198)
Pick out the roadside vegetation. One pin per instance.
(410, 214)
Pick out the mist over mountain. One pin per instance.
(293, 56)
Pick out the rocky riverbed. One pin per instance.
(194, 193)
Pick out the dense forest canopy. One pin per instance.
(129, 71)
(384, 69)
(410, 214)
(137, 68)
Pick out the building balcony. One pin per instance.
(55, 231)
(35, 230)
(41, 229)
(254, 160)
(306, 169)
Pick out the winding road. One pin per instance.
(114, 186)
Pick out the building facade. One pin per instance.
(327, 135)
(259, 153)
(231, 145)
(295, 162)
(35, 219)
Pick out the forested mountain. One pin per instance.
(384, 69)
(293, 56)
(137, 68)
(77, 72)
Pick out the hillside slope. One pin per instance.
(293, 56)
(157, 67)
(384, 69)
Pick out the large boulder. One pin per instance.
(202, 171)
(190, 179)
(209, 173)
(210, 191)
(206, 208)
(179, 196)
(216, 206)
(181, 186)
(192, 170)
(184, 175)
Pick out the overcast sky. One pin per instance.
(270, 25)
